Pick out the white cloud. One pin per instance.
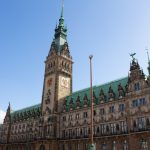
(2, 115)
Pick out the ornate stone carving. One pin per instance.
(47, 111)
(85, 100)
(53, 49)
(102, 96)
(111, 94)
(78, 102)
(71, 104)
(121, 91)
(65, 50)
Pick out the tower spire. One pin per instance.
(9, 108)
(60, 37)
(8, 112)
(62, 10)
(148, 68)
(61, 20)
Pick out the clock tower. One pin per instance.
(58, 70)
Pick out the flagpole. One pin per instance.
(92, 146)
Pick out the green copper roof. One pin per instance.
(96, 90)
(60, 36)
(26, 113)
(35, 111)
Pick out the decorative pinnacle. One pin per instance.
(9, 108)
(147, 54)
(148, 68)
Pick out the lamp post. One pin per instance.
(92, 145)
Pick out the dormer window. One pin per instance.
(136, 87)
(121, 91)
(85, 100)
(111, 94)
(102, 96)
(78, 102)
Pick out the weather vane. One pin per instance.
(132, 55)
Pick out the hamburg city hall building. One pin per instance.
(121, 113)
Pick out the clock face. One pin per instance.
(64, 86)
(64, 82)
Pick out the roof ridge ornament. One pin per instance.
(147, 54)
(132, 55)
(148, 68)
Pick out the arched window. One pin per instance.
(68, 66)
(8, 148)
(97, 129)
(54, 63)
(147, 122)
(69, 146)
(104, 146)
(134, 124)
(42, 147)
(85, 146)
(65, 65)
(28, 147)
(136, 86)
(51, 64)
(144, 144)
(77, 146)
(62, 63)
(114, 145)
(125, 145)
(117, 127)
(62, 146)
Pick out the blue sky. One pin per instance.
(109, 29)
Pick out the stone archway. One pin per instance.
(8, 147)
(42, 147)
(27, 147)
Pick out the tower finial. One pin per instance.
(132, 55)
(148, 68)
(61, 20)
(60, 36)
(62, 9)
(147, 54)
